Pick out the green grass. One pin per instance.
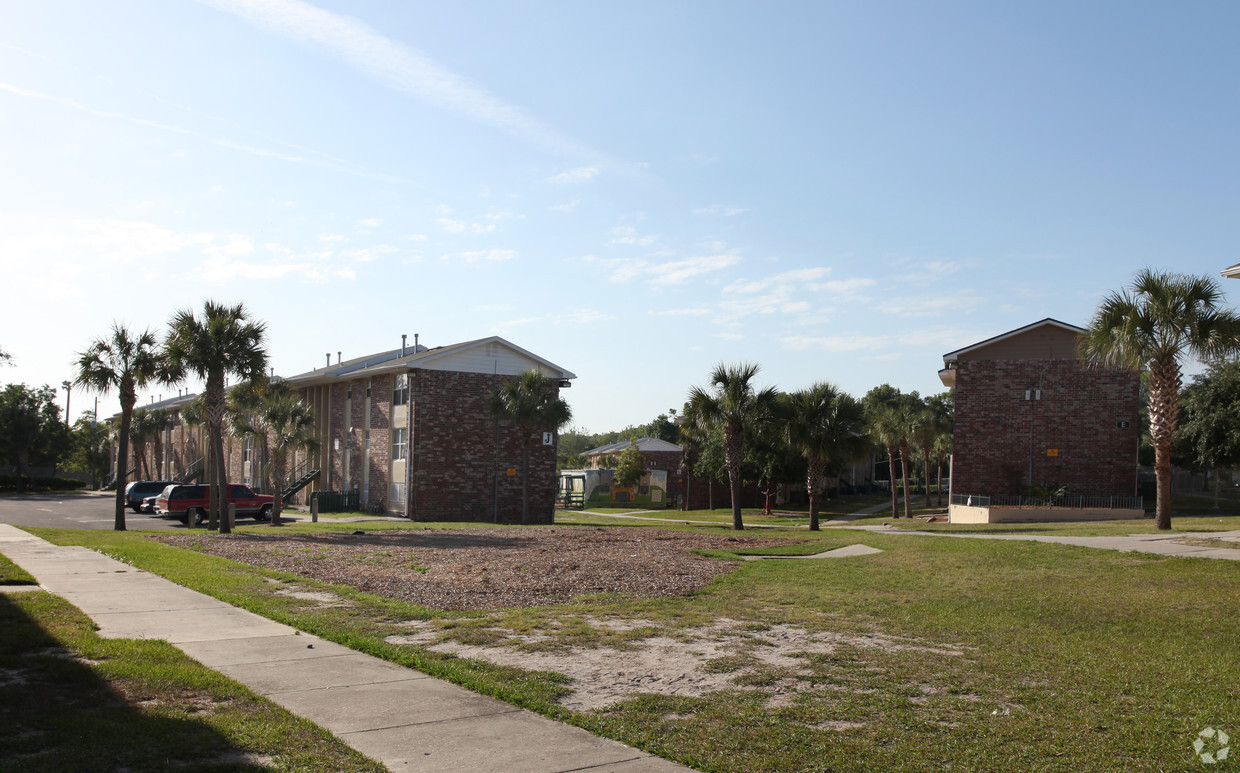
(12, 574)
(1067, 659)
(70, 700)
(1182, 523)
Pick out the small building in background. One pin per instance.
(1038, 435)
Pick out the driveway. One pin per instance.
(74, 511)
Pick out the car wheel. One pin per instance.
(265, 513)
(200, 516)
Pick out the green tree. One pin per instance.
(631, 467)
(530, 401)
(31, 431)
(736, 406)
(287, 425)
(124, 362)
(1208, 435)
(1154, 325)
(90, 448)
(223, 341)
(143, 429)
(825, 425)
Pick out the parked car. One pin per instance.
(182, 500)
(137, 490)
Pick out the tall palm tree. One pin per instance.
(825, 425)
(287, 424)
(532, 402)
(223, 342)
(122, 361)
(142, 430)
(929, 424)
(1160, 320)
(885, 427)
(942, 450)
(738, 407)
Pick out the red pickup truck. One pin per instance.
(182, 500)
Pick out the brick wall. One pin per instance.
(380, 437)
(1076, 417)
(455, 453)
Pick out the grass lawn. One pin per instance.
(991, 655)
(1179, 523)
(70, 700)
(782, 516)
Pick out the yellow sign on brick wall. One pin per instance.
(1052, 452)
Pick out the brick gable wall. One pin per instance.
(455, 453)
(1077, 417)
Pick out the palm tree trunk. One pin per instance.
(1162, 474)
(278, 464)
(904, 480)
(926, 474)
(813, 485)
(128, 398)
(525, 481)
(940, 481)
(222, 477)
(733, 450)
(891, 479)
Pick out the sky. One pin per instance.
(635, 191)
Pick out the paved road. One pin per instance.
(75, 511)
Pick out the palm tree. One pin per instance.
(532, 402)
(141, 430)
(825, 425)
(285, 422)
(885, 427)
(942, 450)
(225, 341)
(124, 362)
(1163, 318)
(930, 423)
(736, 406)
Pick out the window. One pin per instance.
(400, 389)
(400, 443)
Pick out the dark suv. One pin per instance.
(137, 490)
(179, 501)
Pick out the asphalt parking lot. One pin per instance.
(75, 511)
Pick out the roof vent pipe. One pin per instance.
(339, 359)
(329, 359)
(415, 343)
(403, 337)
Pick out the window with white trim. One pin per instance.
(400, 443)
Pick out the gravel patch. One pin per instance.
(471, 569)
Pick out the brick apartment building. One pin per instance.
(1028, 413)
(409, 430)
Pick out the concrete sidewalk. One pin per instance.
(400, 717)
(1159, 544)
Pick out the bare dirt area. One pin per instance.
(728, 654)
(473, 569)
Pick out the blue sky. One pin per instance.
(634, 190)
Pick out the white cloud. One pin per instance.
(786, 279)
(322, 163)
(628, 235)
(679, 312)
(371, 222)
(481, 255)
(848, 288)
(667, 273)
(416, 237)
(331, 238)
(400, 67)
(930, 305)
(724, 210)
(367, 254)
(460, 226)
(582, 174)
(842, 343)
(566, 207)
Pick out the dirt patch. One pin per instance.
(691, 663)
(489, 568)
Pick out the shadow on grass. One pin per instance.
(57, 713)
